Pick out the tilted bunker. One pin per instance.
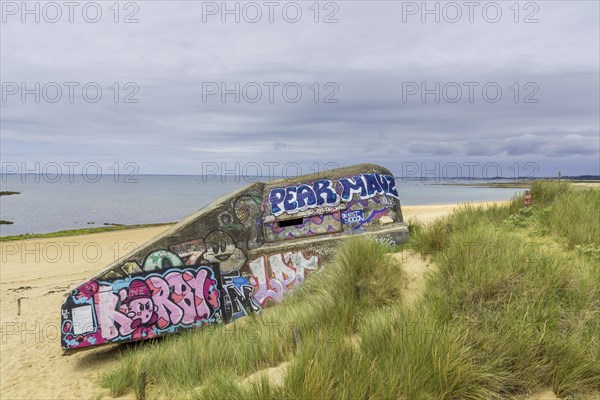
(241, 253)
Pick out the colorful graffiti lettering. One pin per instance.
(200, 272)
(367, 186)
(238, 299)
(142, 307)
(363, 213)
(353, 217)
(287, 270)
(295, 199)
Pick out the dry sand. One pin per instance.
(586, 185)
(39, 271)
(432, 212)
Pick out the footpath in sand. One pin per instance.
(39, 272)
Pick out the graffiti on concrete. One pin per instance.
(273, 276)
(220, 248)
(295, 199)
(238, 300)
(386, 240)
(362, 213)
(353, 217)
(190, 251)
(311, 211)
(161, 259)
(310, 226)
(164, 300)
(142, 307)
(217, 247)
(292, 199)
(214, 266)
(247, 210)
(367, 186)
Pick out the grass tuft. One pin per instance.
(512, 306)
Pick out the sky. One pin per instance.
(430, 89)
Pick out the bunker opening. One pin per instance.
(290, 222)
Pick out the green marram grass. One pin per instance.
(512, 306)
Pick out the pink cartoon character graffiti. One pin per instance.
(141, 309)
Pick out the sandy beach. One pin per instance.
(39, 272)
(429, 213)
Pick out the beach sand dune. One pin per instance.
(429, 213)
(39, 272)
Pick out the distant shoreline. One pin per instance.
(518, 184)
(504, 185)
(77, 232)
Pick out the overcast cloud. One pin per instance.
(374, 61)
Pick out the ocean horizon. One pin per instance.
(46, 204)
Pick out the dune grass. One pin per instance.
(512, 306)
(328, 305)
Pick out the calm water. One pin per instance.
(46, 206)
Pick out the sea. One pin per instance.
(49, 204)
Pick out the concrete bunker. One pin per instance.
(241, 253)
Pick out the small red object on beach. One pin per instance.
(527, 199)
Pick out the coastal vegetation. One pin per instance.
(511, 306)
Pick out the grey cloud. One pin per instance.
(369, 55)
(526, 144)
(435, 148)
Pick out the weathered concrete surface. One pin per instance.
(243, 252)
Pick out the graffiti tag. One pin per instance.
(353, 217)
(141, 308)
(322, 193)
(287, 271)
